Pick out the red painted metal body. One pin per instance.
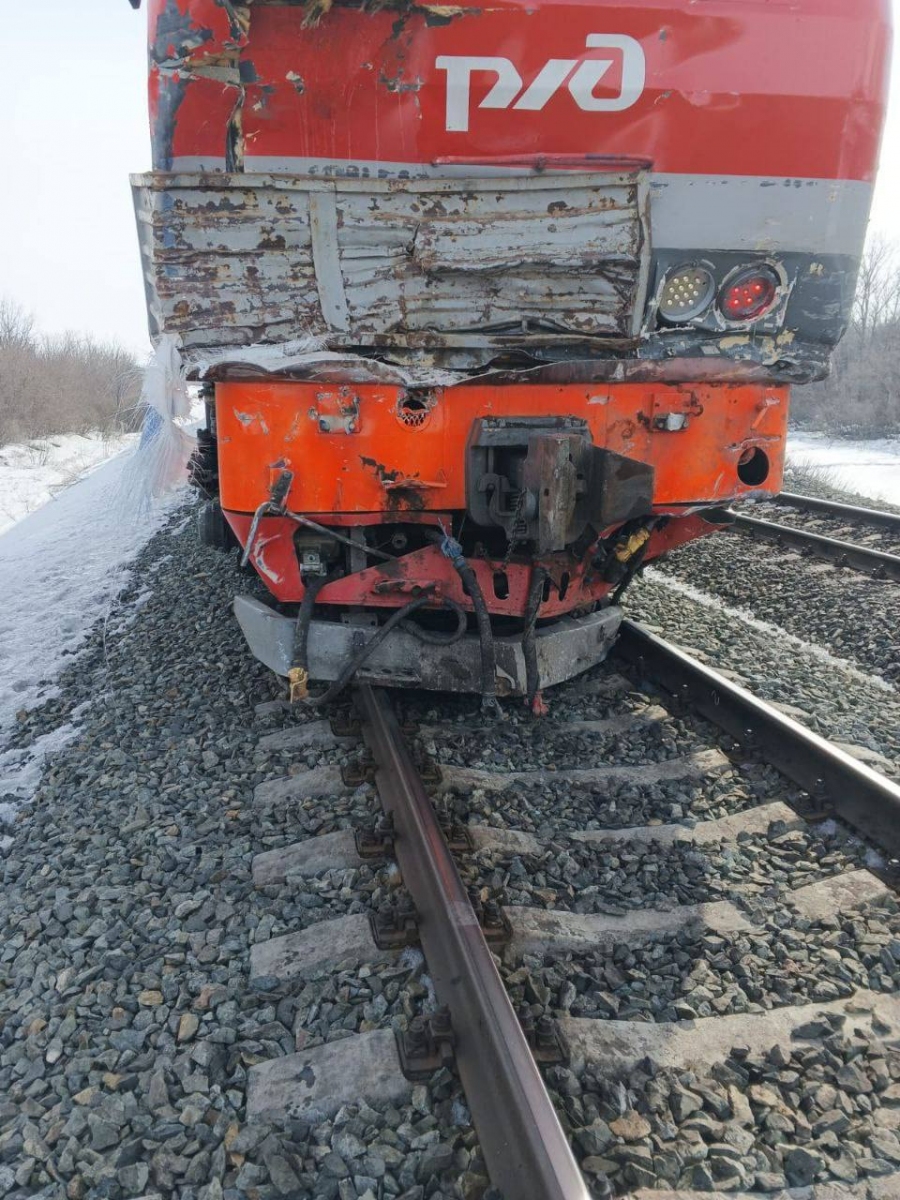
(780, 88)
(388, 471)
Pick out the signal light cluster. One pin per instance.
(749, 295)
(689, 292)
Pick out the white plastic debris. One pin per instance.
(161, 456)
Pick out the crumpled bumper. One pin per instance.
(564, 649)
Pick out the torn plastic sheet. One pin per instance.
(160, 459)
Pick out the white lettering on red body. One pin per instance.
(582, 77)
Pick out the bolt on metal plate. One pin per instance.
(377, 842)
(427, 1045)
(395, 925)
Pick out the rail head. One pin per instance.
(874, 516)
(525, 1149)
(877, 563)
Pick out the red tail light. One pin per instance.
(749, 295)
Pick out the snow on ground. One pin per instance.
(31, 473)
(61, 569)
(871, 468)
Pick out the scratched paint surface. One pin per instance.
(374, 461)
(245, 258)
(768, 88)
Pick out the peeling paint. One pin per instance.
(259, 560)
(241, 265)
(452, 265)
(247, 419)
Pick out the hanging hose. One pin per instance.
(451, 549)
(400, 614)
(529, 648)
(299, 670)
(440, 639)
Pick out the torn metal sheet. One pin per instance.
(428, 263)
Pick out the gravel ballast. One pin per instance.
(127, 1024)
(825, 1112)
(841, 699)
(699, 973)
(604, 877)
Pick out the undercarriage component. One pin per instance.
(213, 529)
(565, 649)
(203, 465)
(543, 480)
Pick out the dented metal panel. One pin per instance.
(238, 259)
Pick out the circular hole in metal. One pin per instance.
(753, 468)
(413, 411)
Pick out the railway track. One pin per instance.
(863, 539)
(842, 512)
(545, 893)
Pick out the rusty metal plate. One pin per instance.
(232, 260)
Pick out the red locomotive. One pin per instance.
(493, 306)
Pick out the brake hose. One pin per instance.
(529, 648)
(350, 669)
(451, 549)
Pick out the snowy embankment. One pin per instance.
(32, 473)
(61, 569)
(870, 468)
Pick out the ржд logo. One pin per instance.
(581, 75)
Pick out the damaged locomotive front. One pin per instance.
(493, 306)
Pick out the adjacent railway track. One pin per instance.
(877, 563)
(483, 904)
(847, 512)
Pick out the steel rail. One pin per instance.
(525, 1150)
(868, 801)
(874, 516)
(871, 562)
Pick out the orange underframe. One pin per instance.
(362, 454)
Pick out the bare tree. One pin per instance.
(65, 384)
(16, 326)
(862, 394)
(877, 295)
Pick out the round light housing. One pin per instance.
(687, 292)
(749, 295)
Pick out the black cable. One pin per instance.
(452, 550)
(308, 523)
(350, 669)
(440, 639)
(299, 655)
(529, 648)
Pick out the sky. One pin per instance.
(75, 127)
